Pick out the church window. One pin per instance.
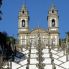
(53, 23)
(23, 23)
(23, 12)
(52, 11)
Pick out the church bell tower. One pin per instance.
(23, 26)
(23, 20)
(53, 25)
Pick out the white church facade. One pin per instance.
(48, 36)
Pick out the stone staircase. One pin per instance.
(52, 59)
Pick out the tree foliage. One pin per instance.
(0, 3)
(6, 43)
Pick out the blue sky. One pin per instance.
(38, 11)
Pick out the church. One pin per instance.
(40, 46)
(48, 36)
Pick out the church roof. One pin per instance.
(24, 9)
(52, 7)
(39, 30)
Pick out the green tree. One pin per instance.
(7, 49)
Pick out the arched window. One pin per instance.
(23, 23)
(23, 12)
(52, 11)
(53, 23)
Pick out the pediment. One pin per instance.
(39, 30)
